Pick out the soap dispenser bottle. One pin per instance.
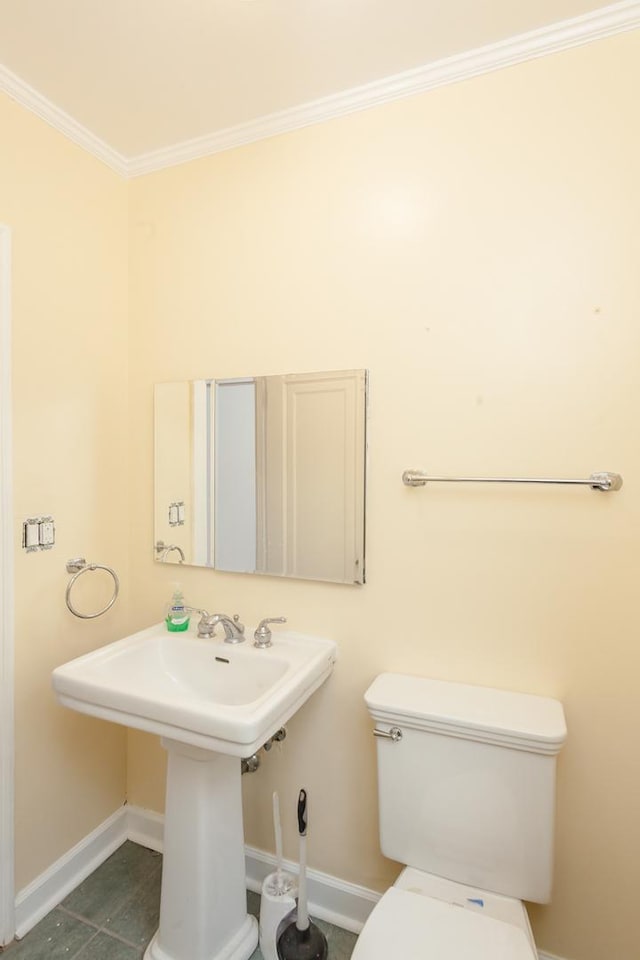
(177, 618)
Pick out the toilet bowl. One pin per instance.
(466, 788)
(422, 917)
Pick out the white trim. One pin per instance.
(337, 901)
(344, 904)
(145, 827)
(6, 602)
(28, 97)
(606, 22)
(617, 18)
(63, 876)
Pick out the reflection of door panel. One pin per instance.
(235, 476)
(323, 466)
(269, 425)
(262, 486)
(202, 479)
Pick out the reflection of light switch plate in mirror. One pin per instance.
(176, 513)
(275, 468)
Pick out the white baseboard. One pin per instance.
(337, 901)
(46, 891)
(145, 827)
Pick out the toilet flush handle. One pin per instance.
(395, 734)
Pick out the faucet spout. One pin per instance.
(233, 629)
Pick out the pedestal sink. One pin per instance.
(212, 703)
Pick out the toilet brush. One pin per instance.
(278, 902)
(302, 940)
(283, 881)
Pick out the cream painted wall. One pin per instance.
(477, 249)
(68, 216)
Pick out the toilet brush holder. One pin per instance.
(277, 904)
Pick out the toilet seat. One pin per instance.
(417, 927)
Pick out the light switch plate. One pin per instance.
(47, 531)
(38, 533)
(31, 534)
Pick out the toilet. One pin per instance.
(466, 788)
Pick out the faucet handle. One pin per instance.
(262, 636)
(205, 627)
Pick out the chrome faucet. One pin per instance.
(163, 549)
(233, 629)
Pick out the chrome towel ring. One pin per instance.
(79, 566)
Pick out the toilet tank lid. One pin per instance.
(519, 720)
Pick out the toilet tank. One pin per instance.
(468, 790)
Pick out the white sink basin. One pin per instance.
(207, 693)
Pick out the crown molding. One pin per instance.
(28, 97)
(617, 18)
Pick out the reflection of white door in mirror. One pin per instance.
(323, 504)
(235, 476)
(202, 419)
(272, 472)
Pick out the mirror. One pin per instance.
(263, 474)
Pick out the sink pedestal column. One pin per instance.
(203, 907)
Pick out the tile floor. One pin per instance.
(113, 914)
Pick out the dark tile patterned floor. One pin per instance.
(113, 914)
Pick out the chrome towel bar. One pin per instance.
(597, 481)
